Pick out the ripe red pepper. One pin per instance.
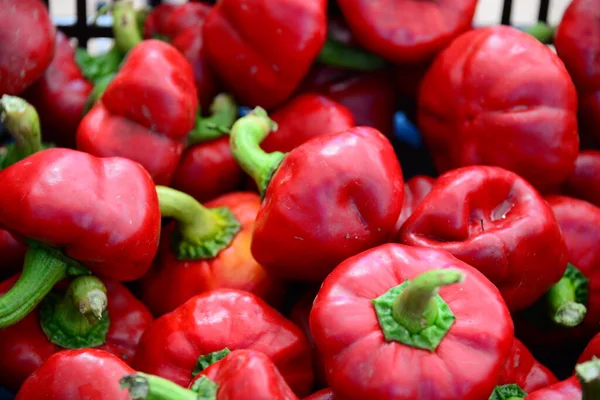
(415, 190)
(408, 32)
(12, 254)
(585, 385)
(109, 222)
(208, 248)
(145, 112)
(154, 24)
(484, 103)
(262, 51)
(27, 44)
(61, 323)
(184, 339)
(522, 369)
(584, 181)
(492, 219)
(324, 394)
(591, 350)
(379, 311)
(86, 374)
(308, 222)
(577, 45)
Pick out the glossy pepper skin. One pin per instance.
(569, 389)
(12, 254)
(145, 112)
(262, 51)
(175, 341)
(481, 103)
(584, 181)
(348, 332)
(27, 37)
(408, 31)
(86, 374)
(495, 221)
(415, 190)
(60, 94)
(577, 45)
(523, 369)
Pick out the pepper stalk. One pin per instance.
(149, 387)
(23, 123)
(223, 112)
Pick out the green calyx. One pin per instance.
(142, 386)
(340, 55)
(96, 68)
(246, 135)
(413, 314)
(126, 27)
(567, 299)
(209, 359)
(542, 32)
(206, 389)
(99, 89)
(223, 112)
(508, 392)
(78, 319)
(202, 232)
(23, 123)
(588, 374)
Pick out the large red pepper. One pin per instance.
(208, 248)
(154, 24)
(584, 181)
(522, 369)
(309, 222)
(145, 112)
(591, 350)
(87, 374)
(484, 103)
(62, 323)
(78, 212)
(415, 190)
(26, 43)
(380, 312)
(263, 50)
(585, 385)
(180, 341)
(577, 44)
(493, 220)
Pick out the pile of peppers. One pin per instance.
(300, 199)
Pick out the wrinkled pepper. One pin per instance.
(208, 247)
(484, 103)
(523, 370)
(584, 181)
(109, 222)
(417, 318)
(309, 222)
(415, 190)
(178, 344)
(585, 385)
(262, 52)
(495, 221)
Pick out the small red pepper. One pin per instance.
(86, 374)
(522, 369)
(310, 222)
(493, 220)
(324, 394)
(380, 312)
(415, 190)
(585, 385)
(12, 254)
(584, 181)
(484, 103)
(262, 50)
(182, 341)
(27, 44)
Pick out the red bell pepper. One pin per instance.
(324, 394)
(12, 254)
(305, 117)
(262, 50)
(415, 190)
(522, 369)
(585, 385)
(591, 350)
(308, 222)
(180, 341)
(484, 103)
(78, 212)
(584, 181)
(86, 374)
(208, 248)
(61, 323)
(577, 45)
(380, 312)
(410, 32)
(492, 219)
(154, 24)
(27, 37)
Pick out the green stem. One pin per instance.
(149, 387)
(567, 298)
(125, 26)
(588, 374)
(542, 32)
(223, 112)
(340, 55)
(22, 122)
(508, 392)
(246, 135)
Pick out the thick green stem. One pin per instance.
(223, 112)
(542, 32)
(588, 374)
(340, 55)
(246, 135)
(566, 300)
(23, 123)
(125, 26)
(149, 387)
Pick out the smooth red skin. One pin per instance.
(157, 19)
(12, 254)
(263, 52)
(577, 43)
(407, 31)
(247, 375)
(331, 198)
(497, 96)
(85, 374)
(185, 16)
(369, 96)
(304, 117)
(415, 190)
(524, 253)
(325, 394)
(27, 44)
(25, 347)
(103, 134)
(592, 350)
(233, 268)
(565, 390)
(102, 212)
(584, 181)
(223, 318)
(155, 88)
(346, 331)
(523, 369)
